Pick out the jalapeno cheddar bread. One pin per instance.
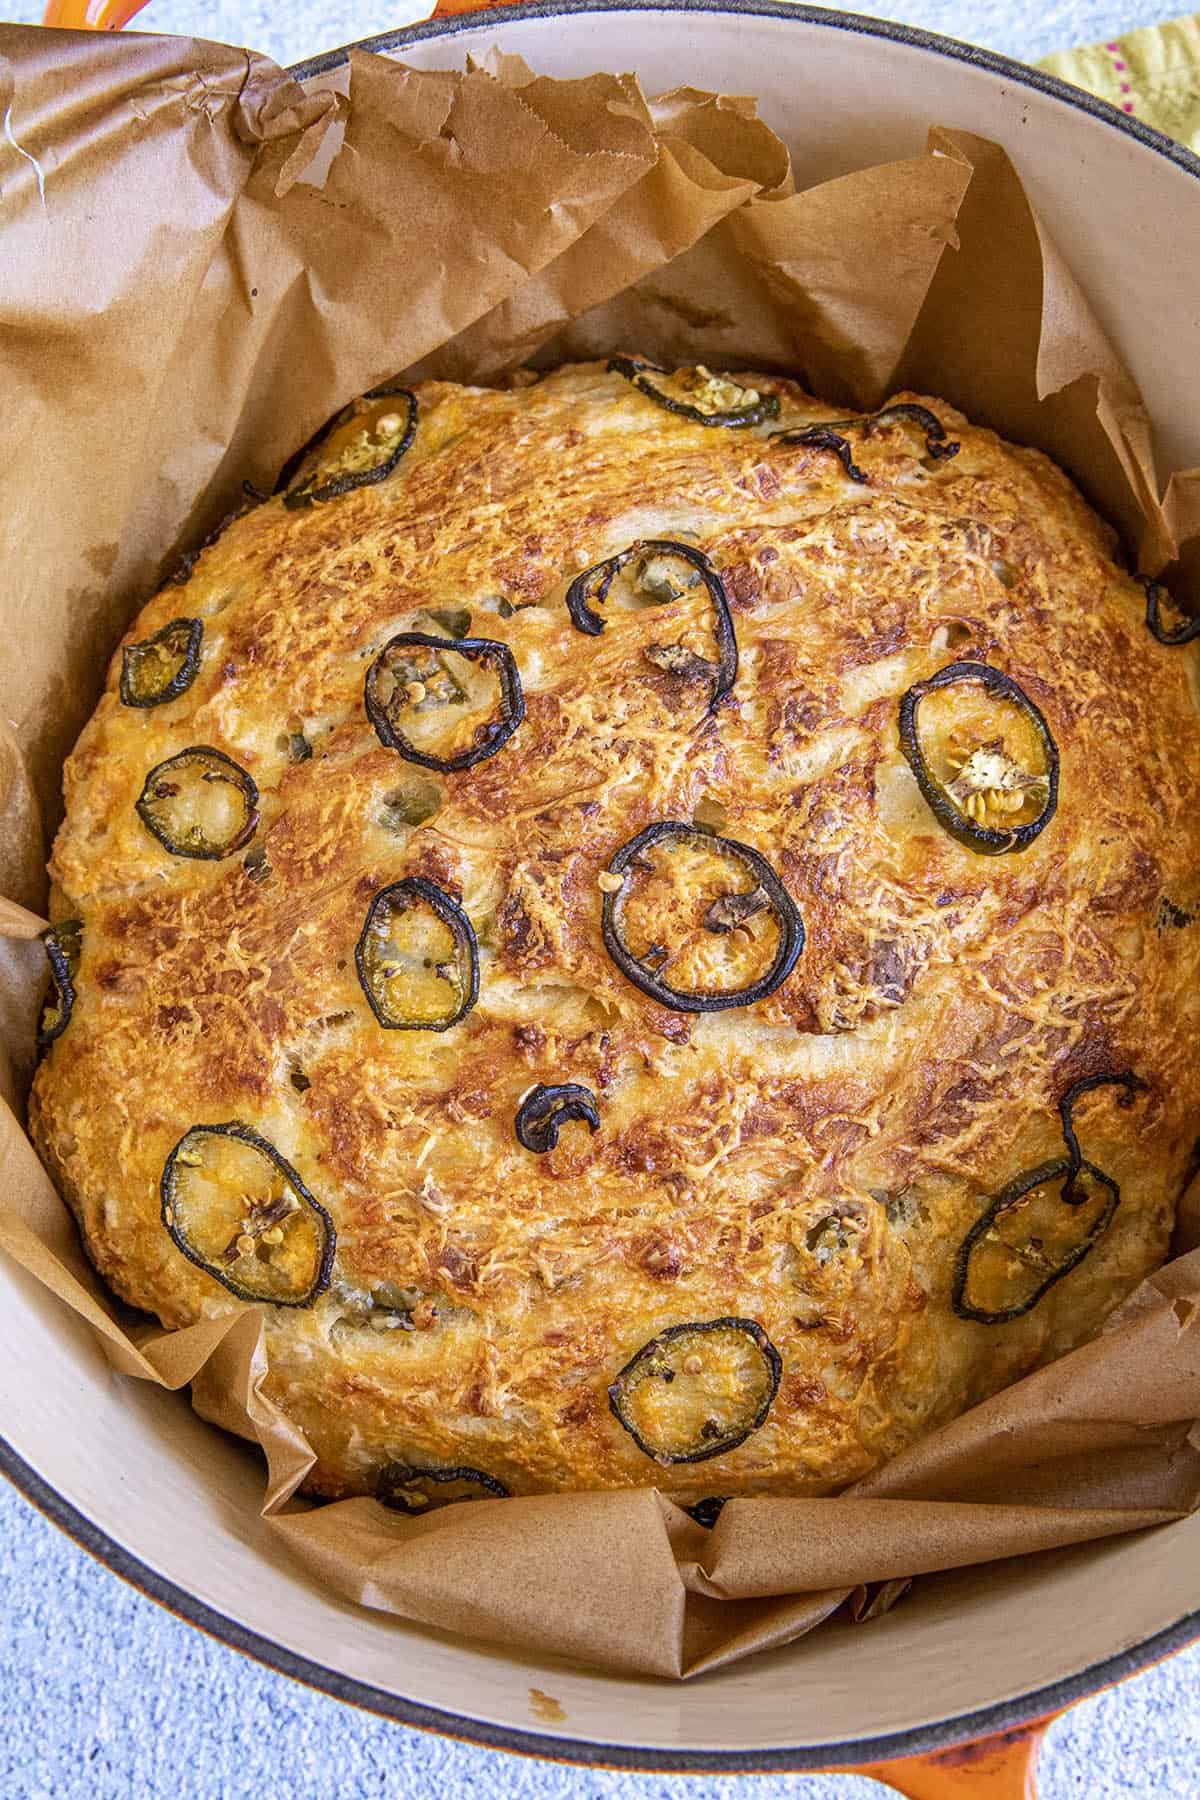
(652, 929)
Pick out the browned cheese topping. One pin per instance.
(776, 1067)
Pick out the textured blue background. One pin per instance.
(106, 1696)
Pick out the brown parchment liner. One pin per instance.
(178, 310)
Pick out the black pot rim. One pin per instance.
(919, 1740)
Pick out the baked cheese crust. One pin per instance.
(809, 1164)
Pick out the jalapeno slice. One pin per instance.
(185, 567)
(417, 958)
(359, 446)
(706, 1512)
(407, 807)
(697, 394)
(1027, 1240)
(697, 1390)
(237, 1209)
(63, 944)
(649, 573)
(199, 804)
(1156, 596)
(380, 1315)
(983, 756)
(937, 443)
(738, 931)
(404, 1488)
(545, 1110)
(455, 621)
(827, 434)
(1131, 1084)
(445, 703)
(163, 666)
(824, 437)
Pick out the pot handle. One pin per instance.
(993, 1768)
(91, 15)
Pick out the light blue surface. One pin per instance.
(106, 1697)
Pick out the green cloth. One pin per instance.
(1152, 73)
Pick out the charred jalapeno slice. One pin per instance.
(697, 1390)
(359, 446)
(545, 1110)
(697, 394)
(63, 945)
(405, 1488)
(706, 1512)
(1132, 1086)
(655, 572)
(710, 910)
(937, 444)
(1027, 1240)
(164, 666)
(983, 756)
(824, 437)
(1156, 596)
(828, 434)
(199, 804)
(238, 1210)
(185, 568)
(417, 958)
(445, 703)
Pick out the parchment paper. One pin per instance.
(200, 264)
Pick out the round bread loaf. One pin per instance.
(648, 927)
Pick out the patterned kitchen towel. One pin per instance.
(1152, 73)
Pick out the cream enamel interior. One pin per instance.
(185, 1501)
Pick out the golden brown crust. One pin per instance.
(810, 1163)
